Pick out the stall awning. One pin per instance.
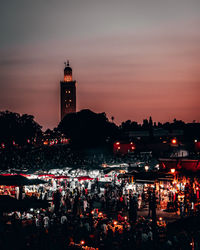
(18, 180)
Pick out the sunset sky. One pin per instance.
(132, 59)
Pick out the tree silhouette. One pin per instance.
(18, 129)
(88, 129)
(129, 126)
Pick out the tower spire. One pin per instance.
(67, 92)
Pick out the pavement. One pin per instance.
(167, 216)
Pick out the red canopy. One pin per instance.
(84, 178)
(61, 177)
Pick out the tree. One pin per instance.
(18, 129)
(88, 129)
(126, 126)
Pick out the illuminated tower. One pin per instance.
(67, 92)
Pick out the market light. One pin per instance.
(146, 168)
(82, 242)
(172, 170)
(174, 141)
(115, 222)
(117, 143)
(160, 218)
(125, 217)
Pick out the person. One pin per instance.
(120, 218)
(104, 228)
(139, 201)
(133, 209)
(63, 219)
(87, 226)
(192, 208)
(37, 221)
(17, 192)
(181, 208)
(46, 222)
(85, 204)
(150, 202)
(56, 201)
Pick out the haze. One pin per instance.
(131, 59)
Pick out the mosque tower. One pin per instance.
(67, 92)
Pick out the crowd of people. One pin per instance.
(59, 156)
(91, 214)
(80, 218)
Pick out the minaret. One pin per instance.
(67, 92)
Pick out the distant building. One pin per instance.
(139, 133)
(158, 132)
(67, 92)
(123, 148)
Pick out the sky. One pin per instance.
(131, 59)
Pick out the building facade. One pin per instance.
(67, 92)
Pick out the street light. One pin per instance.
(174, 141)
(172, 170)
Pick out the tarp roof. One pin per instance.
(147, 176)
(18, 180)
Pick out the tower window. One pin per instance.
(67, 78)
